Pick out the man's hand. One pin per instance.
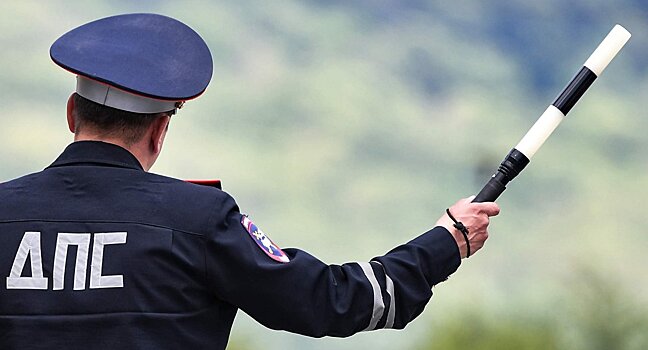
(475, 216)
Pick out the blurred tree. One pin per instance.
(478, 332)
(602, 315)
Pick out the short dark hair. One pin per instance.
(108, 121)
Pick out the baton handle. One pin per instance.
(510, 167)
(490, 191)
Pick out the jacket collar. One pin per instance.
(97, 153)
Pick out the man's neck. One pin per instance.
(137, 149)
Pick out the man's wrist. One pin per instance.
(448, 224)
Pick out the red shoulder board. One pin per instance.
(210, 183)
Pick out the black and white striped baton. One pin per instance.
(520, 156)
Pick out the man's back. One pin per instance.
(101, 252)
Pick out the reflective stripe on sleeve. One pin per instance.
(378, 304)
(391, 312)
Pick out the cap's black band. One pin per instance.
(463, 229)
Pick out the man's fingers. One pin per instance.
(488, 208)
(465, 201)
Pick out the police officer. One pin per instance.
(98, 253)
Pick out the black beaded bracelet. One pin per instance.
(463, 229)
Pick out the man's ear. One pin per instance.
(160, 127)
(70, 114)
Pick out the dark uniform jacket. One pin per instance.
(96, 253)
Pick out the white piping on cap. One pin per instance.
(111, 96)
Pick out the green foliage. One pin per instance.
(602, 315)
(593, 314)
(478, 332)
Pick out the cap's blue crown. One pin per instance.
(146, 54)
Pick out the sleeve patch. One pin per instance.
(263, 241)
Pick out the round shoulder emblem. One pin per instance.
(263, 241)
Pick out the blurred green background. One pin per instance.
(346, 127)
